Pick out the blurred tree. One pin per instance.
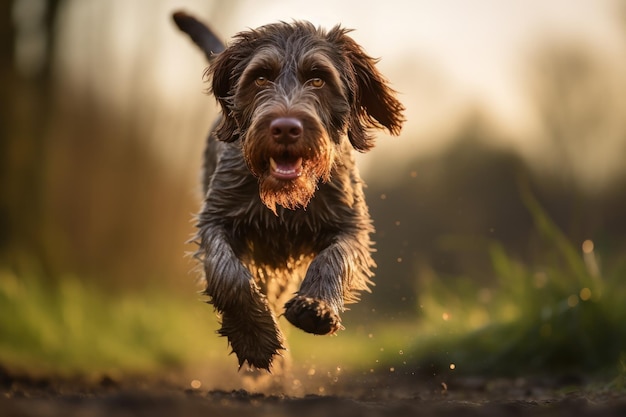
(108, 194)
(437, 220)
(579, 97)
(82, 189)
(26, 41)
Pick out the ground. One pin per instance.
(376, 394)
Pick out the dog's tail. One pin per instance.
(199, 33)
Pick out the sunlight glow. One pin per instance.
(572, 300)
(588, 246)
(585, 294)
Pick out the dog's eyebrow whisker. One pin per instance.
(263, 95)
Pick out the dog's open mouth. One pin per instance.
(286, 167)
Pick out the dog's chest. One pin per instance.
(275, 239)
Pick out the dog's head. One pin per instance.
(292, 93)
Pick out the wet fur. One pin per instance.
(260, 237)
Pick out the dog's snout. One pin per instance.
(286, 129)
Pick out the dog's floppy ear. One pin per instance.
(223, 78)
(374, 103)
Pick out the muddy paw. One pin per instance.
(257, 342)
(312, 315)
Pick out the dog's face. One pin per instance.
(291, 94)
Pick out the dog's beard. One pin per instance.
(297, 192)
(288, 194)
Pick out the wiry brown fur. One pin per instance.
(260, 235)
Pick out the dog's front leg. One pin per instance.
(247, 320)
(334, 277)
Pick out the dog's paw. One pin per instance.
(257, 342)
(312, 315)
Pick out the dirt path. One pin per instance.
(372, 396)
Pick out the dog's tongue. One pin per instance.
(286, 168)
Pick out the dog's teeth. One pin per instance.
(288, 169)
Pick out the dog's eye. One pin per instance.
(261, 81)
(316, 82)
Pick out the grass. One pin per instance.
(562, 315)
(71, 327)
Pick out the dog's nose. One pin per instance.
(286, 129)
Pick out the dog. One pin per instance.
(283, 199)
